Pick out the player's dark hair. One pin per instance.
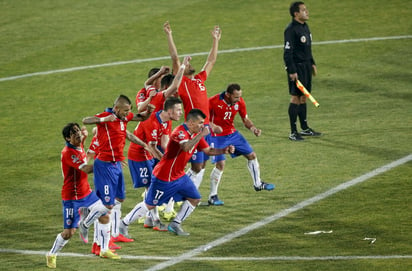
(166, 80)
(194, 114)
(171, 102)
(68, 130)
(232, 87)
(152, 72)
(122, 99)
(294, 7)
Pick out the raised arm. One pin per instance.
(163, 70)
(172, 47)
(144, 115)
(94, 119)
(172, 89)
(211, 59)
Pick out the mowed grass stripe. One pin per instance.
(134, 61)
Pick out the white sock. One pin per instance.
(191, 174)
(104, 236)
(184, 212)
(254, 169)
(115, 215)
(215, 177)
(58, 245)
(138, 211)
(96, 232)
(154, 214)
(170, 205)
(97, 209)
(199, 178)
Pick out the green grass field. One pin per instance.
(363, 53)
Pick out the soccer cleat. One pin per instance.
(95, 249)
(124, 229)
(84, 232)
(109, 255)
(294, 136)
(159, 226)
(310, 132)
(177, 229)
(168, 216)
(214, 200)
(51, 261)
(112, 245)
(122, 238)
(264, 186)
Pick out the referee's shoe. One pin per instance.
(310, 132)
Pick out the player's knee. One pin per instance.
(220, 165)
(104, 219)
(251, 156)
(68, 233)
(197, 167)
(194, 202)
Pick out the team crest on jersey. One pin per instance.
(107, 199)
(142, 96)
(236, 107)
(75, 159)
(155, 202)
(69, 222)
(145, 181)
(303, 39)
(181, 135)
(164, 125)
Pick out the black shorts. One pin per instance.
(304, 75)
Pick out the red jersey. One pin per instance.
(75, 184)
(143, 94)
(149, 131)
(94, 146)
(194, 94)
(112, 137)
(173, 163)
(223, 114)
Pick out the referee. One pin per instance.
(299, 65)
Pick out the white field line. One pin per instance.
(221, 259)
(193, 253)
(193, 54)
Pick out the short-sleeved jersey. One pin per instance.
(75, 184)
(143, 93)
(194, 94)
(223, 114)
(149, 131)
(298, 46)
(173, 163)
(94, 146)
(158, 101)
(112, 137)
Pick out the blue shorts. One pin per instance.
(242, 146)
(160, 192)
(141, 172)
(199, 156)
(109, 181)
(71, 215)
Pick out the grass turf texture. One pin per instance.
(363, 89)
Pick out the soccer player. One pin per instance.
(76, 191)
(111, 135)
(193, 93)
(169, 178)
(141, 162)
(299, 65)
(151, 86)
(223, 109)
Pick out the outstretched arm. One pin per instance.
(172, 89)
(172, 47)
(249, 125)
(211, 59)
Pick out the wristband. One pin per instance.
(183, 66)
(101, 119)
